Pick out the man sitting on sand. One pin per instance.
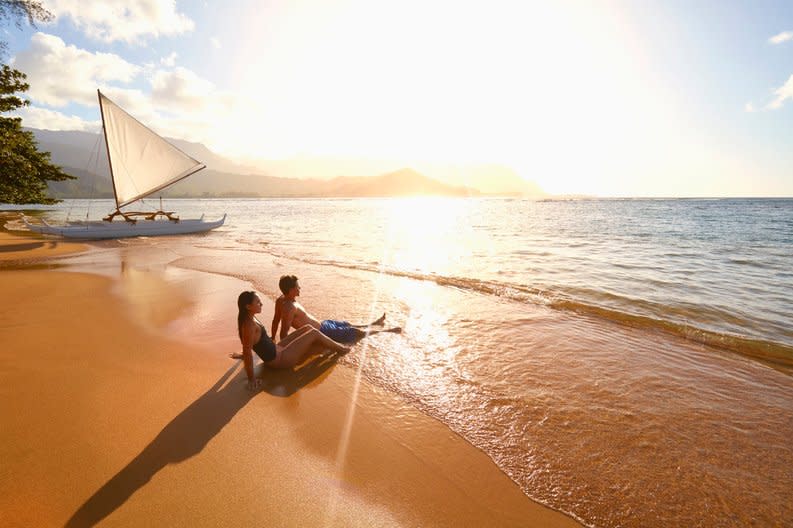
(290, 314)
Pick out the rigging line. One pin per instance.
(95, 157)
(86, 169)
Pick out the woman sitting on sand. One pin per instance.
(290, 351)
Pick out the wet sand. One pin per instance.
(32, 249)
(121, 407)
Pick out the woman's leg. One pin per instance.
(294, 335)
(294, 351)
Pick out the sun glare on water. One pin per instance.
(420, 231)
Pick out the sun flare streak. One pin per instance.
(344, 439)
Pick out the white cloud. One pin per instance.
(179, 104)
(170, 60)
(125, 20)
(782, 93)
(748, 107)
(781, 37)
(45, 119)
(215, 42)
(59, 74)
(181, 89)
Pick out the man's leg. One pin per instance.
(373, 323)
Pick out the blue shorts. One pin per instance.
(340, 331)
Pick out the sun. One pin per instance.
(558, 92)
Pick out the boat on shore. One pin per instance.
(141, 163)
(108, 229)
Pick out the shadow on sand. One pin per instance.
(189, 432)
(7, 248)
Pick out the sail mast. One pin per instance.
(107, 148)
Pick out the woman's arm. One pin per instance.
(248, 334)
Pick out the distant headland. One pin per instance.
(76, 153)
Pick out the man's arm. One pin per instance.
(287, 316)
(276, 316)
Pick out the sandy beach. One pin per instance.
(121, 407)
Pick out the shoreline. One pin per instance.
(24, 247)
(125, 406)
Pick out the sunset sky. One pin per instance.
(611, 98)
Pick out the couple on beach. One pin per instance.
(291, 348)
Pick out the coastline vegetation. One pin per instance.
(24, 171)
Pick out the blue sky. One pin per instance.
(614, 98)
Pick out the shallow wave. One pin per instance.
(779, 355)
(775, 354)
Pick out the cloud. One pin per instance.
(181, 89)
(45, 119)
(124, 20)
(59, 74)
(170, 60)
(177, 103)
(215, 42)
(782, 93)
(748, 107)
(781, 37)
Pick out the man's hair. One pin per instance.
(286, 283)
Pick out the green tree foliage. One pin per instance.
(24, 171)
(19, 10)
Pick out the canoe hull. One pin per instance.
(120, 229)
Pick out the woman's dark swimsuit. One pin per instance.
(265, 348)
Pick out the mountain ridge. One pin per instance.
(81, 155)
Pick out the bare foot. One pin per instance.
(235, 355)
(395, 330)
(380, 321)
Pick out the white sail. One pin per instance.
(141, 162)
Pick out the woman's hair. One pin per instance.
(243, 301)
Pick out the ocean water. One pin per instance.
(627, 362)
